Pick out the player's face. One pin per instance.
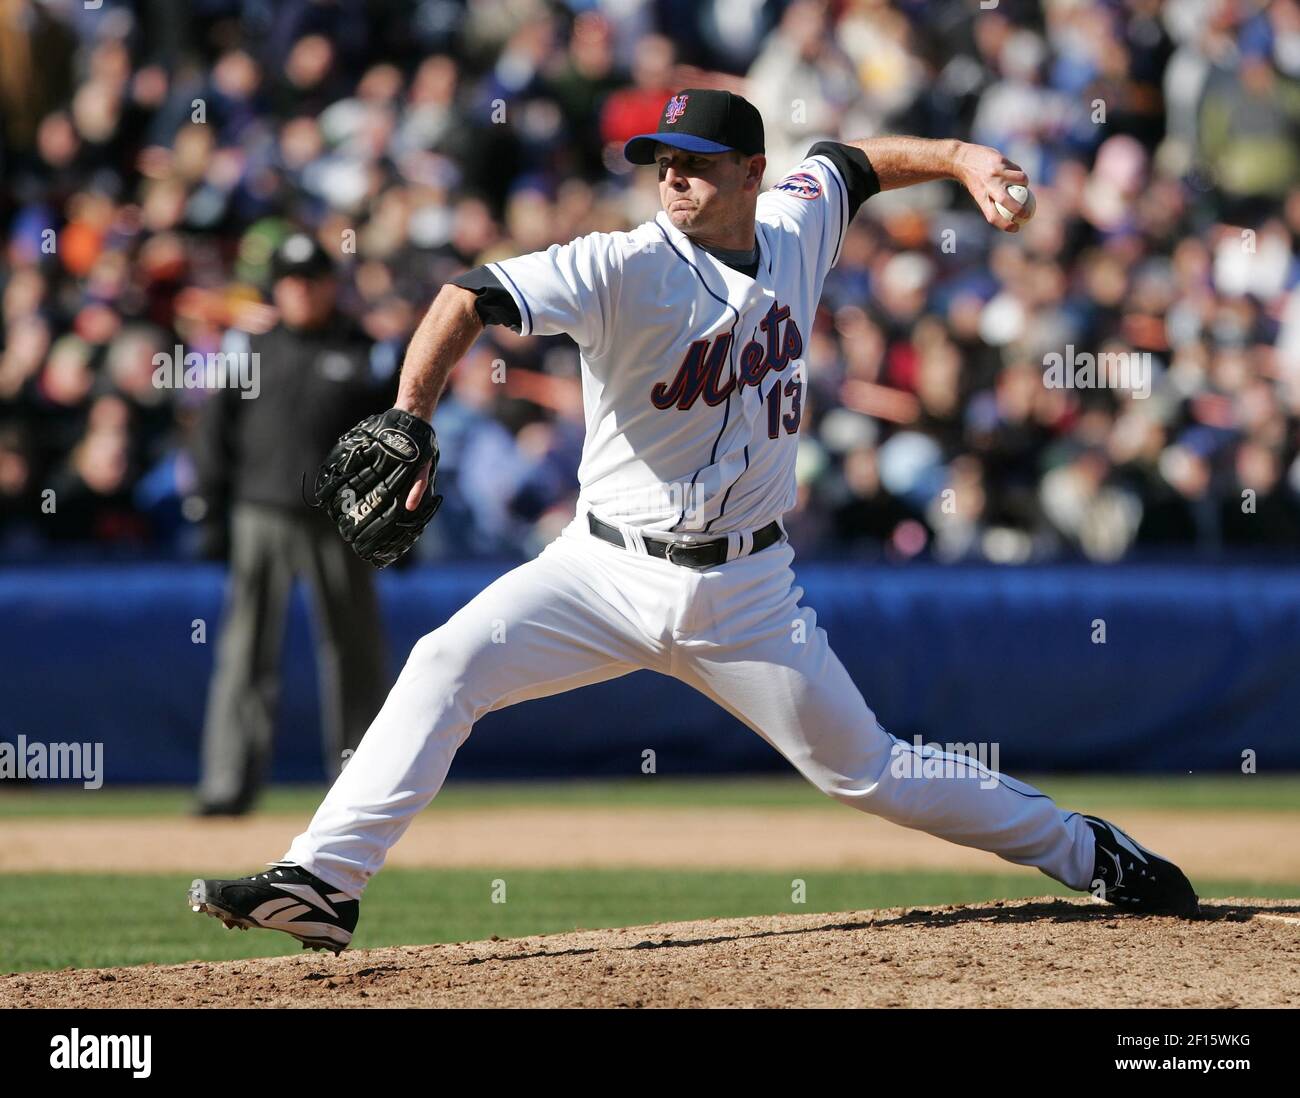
(709, 195)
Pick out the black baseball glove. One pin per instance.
(364, 482)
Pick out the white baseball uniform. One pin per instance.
(693, 388)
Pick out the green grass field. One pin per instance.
(89, 920)
(54, 920)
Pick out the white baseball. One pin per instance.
(1025, 197)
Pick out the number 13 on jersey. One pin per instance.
(776, 397)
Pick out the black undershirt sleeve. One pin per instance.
(859, 176)
(492, 301)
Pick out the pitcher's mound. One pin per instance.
(1041, 952)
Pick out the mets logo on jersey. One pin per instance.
(700, 373)
(675, 109)
(800, 184)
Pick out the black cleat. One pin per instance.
(286, 898)
(1128, 875)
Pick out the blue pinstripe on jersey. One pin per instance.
(834, 173)
(521, 297)
(726, 415)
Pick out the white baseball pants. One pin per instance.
(585, 611)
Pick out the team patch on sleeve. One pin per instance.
(800, 185)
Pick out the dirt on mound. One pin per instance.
(1025, 953)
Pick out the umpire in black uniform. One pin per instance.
(316, 381)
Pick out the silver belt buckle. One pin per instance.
(668, 553)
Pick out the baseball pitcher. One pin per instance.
(692, 329)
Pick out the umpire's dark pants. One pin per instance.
(269, 547)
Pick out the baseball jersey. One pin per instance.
(693, 376)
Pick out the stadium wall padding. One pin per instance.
(1199, 664)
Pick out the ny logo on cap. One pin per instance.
(675, 109)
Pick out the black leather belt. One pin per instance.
(698, 555)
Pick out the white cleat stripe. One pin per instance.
(287, 924)
(1127, 843)
(265, 913)
(306, 892)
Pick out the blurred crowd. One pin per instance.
(153, 155)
